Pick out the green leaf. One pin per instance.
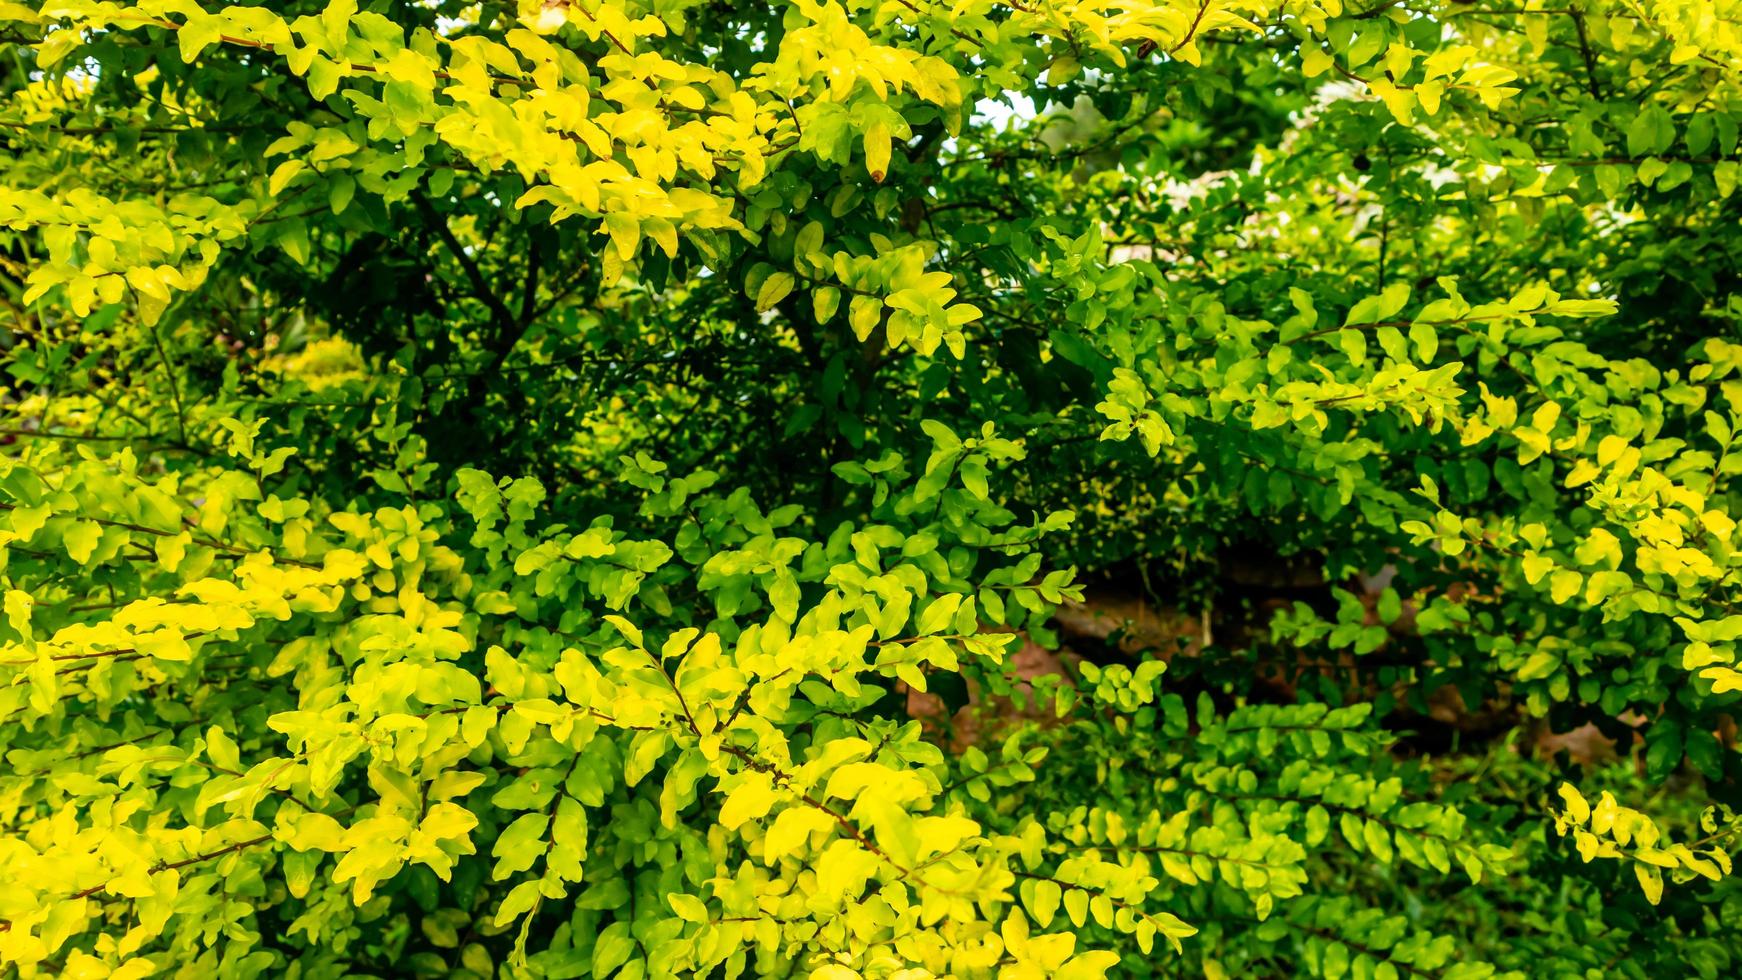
(1651, 132)
(774, 289)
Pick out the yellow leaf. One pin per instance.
(749, 800)
(1651, 881)
(1564, 584)
(824, 302)
(625, 233)
(774, 289)
(1577, 808)
(790, 830)
(1724, 680)
(865, 312)
(81, 539)
(877, 145)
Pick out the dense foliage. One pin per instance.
(486, 485)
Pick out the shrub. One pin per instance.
(528, 490)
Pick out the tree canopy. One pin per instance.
(492, 489)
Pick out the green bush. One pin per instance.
(603, 488)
